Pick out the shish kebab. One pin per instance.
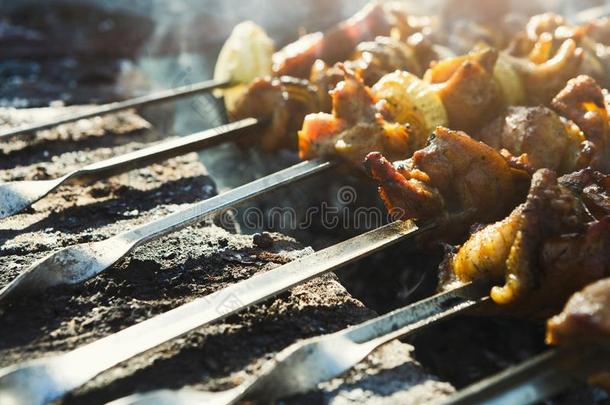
(302, 366)
(44, 380)
(246, 55)
(93, 259)
(250, 47)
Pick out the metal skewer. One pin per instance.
(536, 379)
(48, 379)
(149, 99)
(74, 264)
(18, 195)
(302, 366)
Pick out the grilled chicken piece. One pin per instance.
(283, 102)
(355, 127)
(585, 320)
(545, 33)
(542, 77)
(454, 173)
(533, 138)
(582, 101)
(297, 58)
(542, 252)
(466, 85)
(371, 61)
(592, 187)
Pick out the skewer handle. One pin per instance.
(149, 99)
(163, 151)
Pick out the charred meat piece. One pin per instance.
(283, 102)
(585, 320)
(335, 45)
(582, 101)
(454, 173)
(542, 252)
(592, 187)
(535, 138)
(354, 128)
(371, 61)
(467, 88)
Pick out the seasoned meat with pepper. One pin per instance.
(354, 128)
(283, 102)
(582, 101)
(467, 87)
(593, 188)
(585, 320)
(541, 253)
(535, 138)
(454, 173)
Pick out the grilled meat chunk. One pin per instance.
(354, 128)
(542, 252)
(543, 76)
(283, 102)
(582, 101)
(297, 58)
(466, 85)
(592, 187)
(454, 173)
(585, 320)
(535, 138)
(371, 61)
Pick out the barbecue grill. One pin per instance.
(305, 366)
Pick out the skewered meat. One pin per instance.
(542, 252)
(371, 61)
(355, 127)
(454, 173)
(585, 320)
(545, 33)
(467, 88)
(582, 101)
(297, 58)
(283, 102)
(592, 187)
(535, 138)
(543, 77)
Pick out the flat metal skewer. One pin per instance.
(48, 379)
(539, 378)
(302, 366)
(149, 99)
(15, 196)
(76, 263)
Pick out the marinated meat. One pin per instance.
(585, 320)
(297, 58)
(454, 173)
(355, 127)
(466, 85)
(283, 103)
(592, 187)
(582, 101)
(535, 138)
(541, 253)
